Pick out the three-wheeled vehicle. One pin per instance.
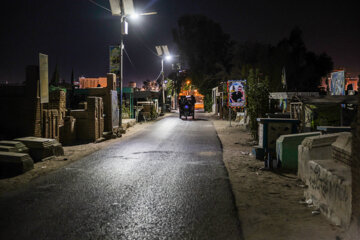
(187, 106)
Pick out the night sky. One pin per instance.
(76, 33)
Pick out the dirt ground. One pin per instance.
(270, 204)
(72, 153)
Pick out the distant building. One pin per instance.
(92, 82)
(132, 84)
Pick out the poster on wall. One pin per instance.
(115, 60)
(338, 83)
(236, 91)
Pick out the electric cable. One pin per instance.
(129, 59)
(95, 3)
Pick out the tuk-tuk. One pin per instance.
(187, 106)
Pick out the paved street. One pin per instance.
(166, 182)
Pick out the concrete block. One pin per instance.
(287, 148)
(311, 148)
(341, 148)
(330, 190)
(12, 164)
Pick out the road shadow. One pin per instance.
(196, 119)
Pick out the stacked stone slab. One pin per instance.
(51, 123)
(13, 146)
(12, 164)
(90, 122)
(68, 131)
(42, 148)
(53, 114)
(57, 101)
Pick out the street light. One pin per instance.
(125, 9)
(164, 53)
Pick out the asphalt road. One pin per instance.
(167, 182)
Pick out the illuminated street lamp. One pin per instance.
(164, 53)
(125, 9)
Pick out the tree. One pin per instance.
(206, 50)
(257, 92)
(304, 68)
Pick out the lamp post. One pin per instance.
(167, 58)
(124, 9)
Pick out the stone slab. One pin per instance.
(333, 129)
(20, 147)
(12, 164)
(35, 142)
(330, 189)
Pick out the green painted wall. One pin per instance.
(287, 149)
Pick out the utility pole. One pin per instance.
(124, 9)
(163, 85)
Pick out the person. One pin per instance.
(237, 95)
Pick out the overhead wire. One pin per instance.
(129, 58)
(95, 3)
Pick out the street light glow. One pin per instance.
(168, 58)
(135, 16)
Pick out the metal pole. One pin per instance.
(163, 86)
(121, 72)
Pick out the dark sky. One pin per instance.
(76, 33)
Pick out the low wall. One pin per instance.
(317, 147)
(329, 187)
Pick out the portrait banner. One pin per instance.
(115, 60)
(236, 92)
(338, 83)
